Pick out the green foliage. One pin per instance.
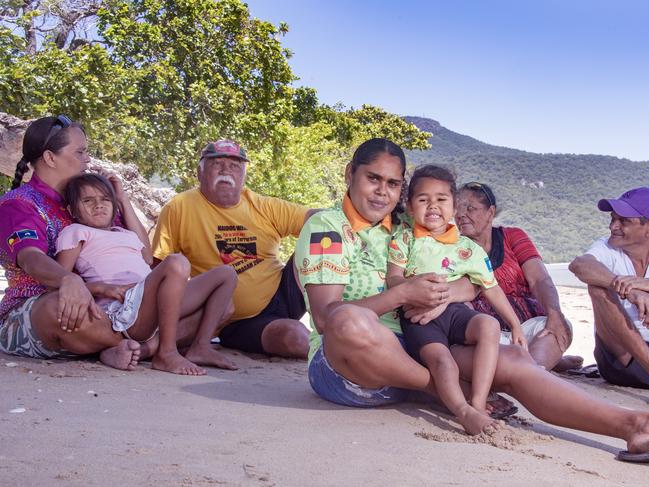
(169, 75)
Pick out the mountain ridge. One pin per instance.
(552, 196)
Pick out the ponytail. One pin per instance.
(21, 169)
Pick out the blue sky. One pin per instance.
(546, 76)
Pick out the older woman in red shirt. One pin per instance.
(519, 269)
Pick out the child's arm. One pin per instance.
(68, 257)
(131, 220)
(500, 304)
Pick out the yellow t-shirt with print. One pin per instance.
(337, 246)
(246, 236)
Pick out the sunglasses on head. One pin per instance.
(61, 122)
(485, 190)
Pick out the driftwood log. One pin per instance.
(147, 200)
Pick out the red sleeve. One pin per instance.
(521, 245)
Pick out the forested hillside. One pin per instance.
(551, 196)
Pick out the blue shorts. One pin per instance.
(332, 386)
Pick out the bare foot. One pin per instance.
(176, 364)
(568, 362)
(150, 347)
(475, 422)
(208, 355)
(123, 356)
(638, 442)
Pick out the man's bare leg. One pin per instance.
(611, 322)
(286, 338)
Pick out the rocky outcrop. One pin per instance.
(147, 200)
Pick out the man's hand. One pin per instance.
(557, 326)
(641, 301)
(75, 303)
(624, 284)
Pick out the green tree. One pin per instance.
(162, 77)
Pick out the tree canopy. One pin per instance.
(154, 80)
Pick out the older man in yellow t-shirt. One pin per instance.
(221, 222)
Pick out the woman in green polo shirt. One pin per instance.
(357, 357)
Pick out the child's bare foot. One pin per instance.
(208, 355)
(123, 356)
(176, 364)
(475, 422)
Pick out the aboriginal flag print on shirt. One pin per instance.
(325, 243)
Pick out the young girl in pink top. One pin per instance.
(114, 262)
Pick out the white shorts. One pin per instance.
(531, 328)
(123, 315)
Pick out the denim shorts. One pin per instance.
(332, 386)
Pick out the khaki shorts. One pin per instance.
(17, 337)
(531, 328)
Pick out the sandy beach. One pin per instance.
(82, 424)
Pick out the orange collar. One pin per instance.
(356, 219)
(450, 235)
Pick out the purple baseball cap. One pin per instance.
(632, 204)
(224, 148)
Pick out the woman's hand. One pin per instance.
(75, 303)
(557, 326)
(426, 290)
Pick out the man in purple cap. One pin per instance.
(615, 269)
(222, 222)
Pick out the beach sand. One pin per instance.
(82, 424)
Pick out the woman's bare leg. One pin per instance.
(365, 352)
(94, 335)
(558, 402)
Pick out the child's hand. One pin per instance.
(116, 291)
(115, 181)
(424, 317)
(518, 338)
